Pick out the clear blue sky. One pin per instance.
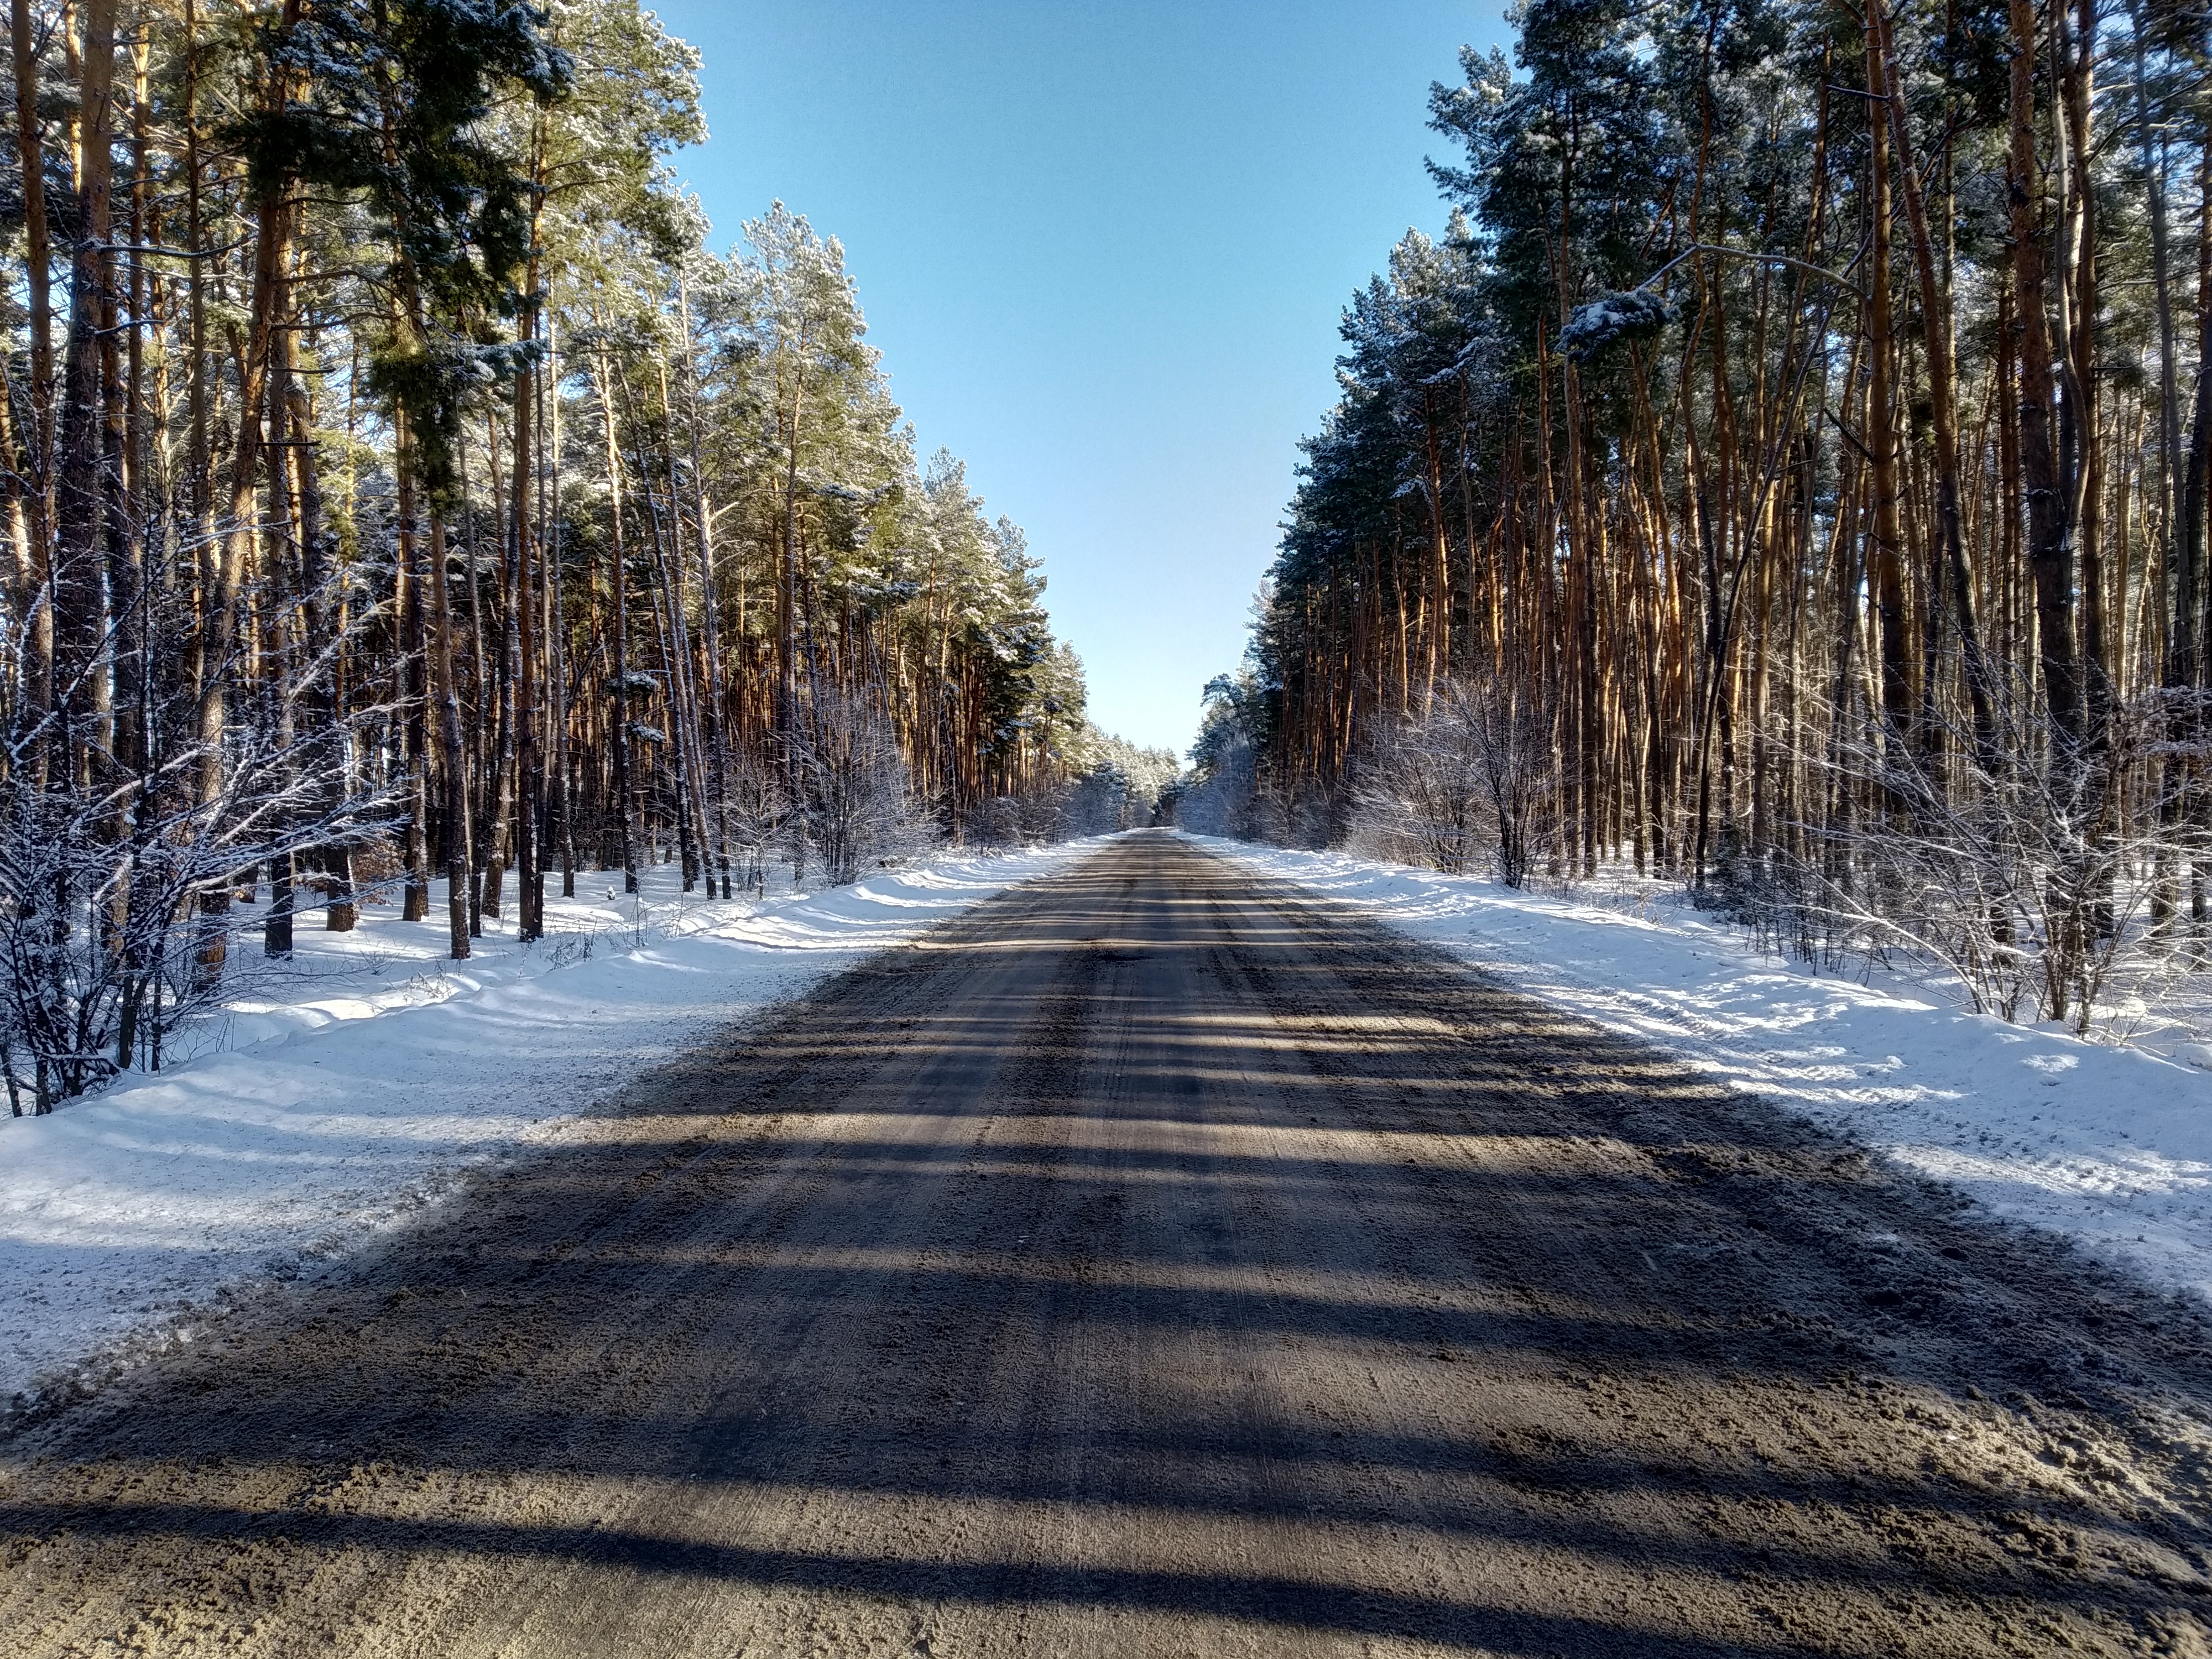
(1103, 248)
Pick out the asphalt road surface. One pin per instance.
(1154, 1261)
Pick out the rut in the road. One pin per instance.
(1152, 1262)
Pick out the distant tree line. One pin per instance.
(1787, 474)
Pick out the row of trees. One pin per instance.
(1788, 473)
(394, 487)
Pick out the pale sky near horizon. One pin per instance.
(1103, 250)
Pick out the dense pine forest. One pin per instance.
(1786, 476)
(399, 495)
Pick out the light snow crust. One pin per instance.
(338, 1094)
(2110, 1146)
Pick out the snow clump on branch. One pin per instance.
(1635, 315)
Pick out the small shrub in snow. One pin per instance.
(856, 799)
(1468, 778)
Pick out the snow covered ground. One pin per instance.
(2111, 1145)
(337, 1094)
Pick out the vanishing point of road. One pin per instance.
(1156, 1260)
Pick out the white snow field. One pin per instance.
(2111, 1145)
(338, 1093)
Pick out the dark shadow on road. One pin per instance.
(1152, 1242)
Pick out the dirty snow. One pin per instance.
(337, 1094)
(2111, 1145)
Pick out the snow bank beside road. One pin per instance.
(341, 1091)
(2113, 1147)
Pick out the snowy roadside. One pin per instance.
(2111, 1145)
(338, 1094)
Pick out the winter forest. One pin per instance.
(402, 499)
(1787, 477)
(1784, 478)
(614, 1045)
